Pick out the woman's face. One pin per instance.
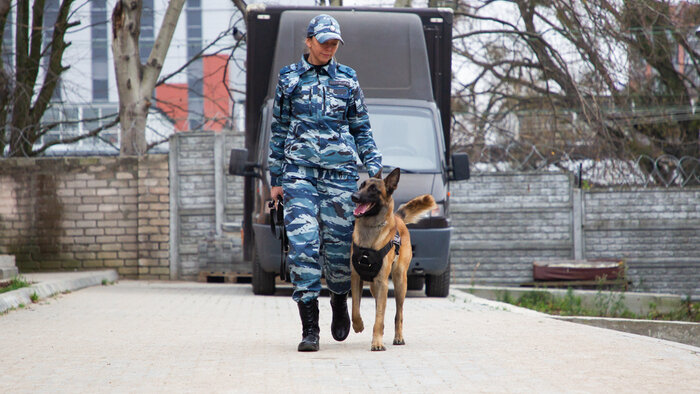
(320, 54)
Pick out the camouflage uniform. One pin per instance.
(320, 130)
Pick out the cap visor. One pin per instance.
(323, 37)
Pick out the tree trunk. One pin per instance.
(135, 82)
(25, 100)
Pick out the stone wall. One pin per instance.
(86, 213)
(167, 217)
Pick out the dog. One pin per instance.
(377, 251)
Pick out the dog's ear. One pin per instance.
(378, 175)
(392, 180)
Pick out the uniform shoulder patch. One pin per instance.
(288, 69)
(349, 71)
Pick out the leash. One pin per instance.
(280, 232)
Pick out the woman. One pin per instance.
(320, 129)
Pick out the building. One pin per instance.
(197, 95)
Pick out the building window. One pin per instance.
(100, 50)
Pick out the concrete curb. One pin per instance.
(49, 284)
(676, 331)
(681, 334)
(460, 295)
(638, 303)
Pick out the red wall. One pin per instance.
(172, 97)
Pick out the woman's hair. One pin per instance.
(306, 49)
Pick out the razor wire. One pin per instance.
(643, 171)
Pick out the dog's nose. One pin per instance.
(355, 197)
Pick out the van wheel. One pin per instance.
(415, 282)
(263, 281)
(438, 285)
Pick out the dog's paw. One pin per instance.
(358, 326)
(378, 348)
(399, 341)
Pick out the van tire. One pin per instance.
(438, 285)
(415, 282)
(263, 282)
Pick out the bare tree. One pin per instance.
(136, 81)
(598, 77)
(37, 123)
(241, 5)
(27, 89)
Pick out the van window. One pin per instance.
(405, 136)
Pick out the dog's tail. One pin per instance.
(412, 210)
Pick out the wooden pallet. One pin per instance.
(224, 277)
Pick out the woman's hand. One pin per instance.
(275, 192)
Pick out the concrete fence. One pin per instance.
(171, 217)
(206, 207)
(503, 222)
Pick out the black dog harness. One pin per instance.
(368, 262)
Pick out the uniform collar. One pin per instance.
(330, 68)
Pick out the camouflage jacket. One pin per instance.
(320, 122)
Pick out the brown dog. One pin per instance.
(375, 248)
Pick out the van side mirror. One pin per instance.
(239, 164)
(460, 167)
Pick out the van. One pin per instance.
(403, 61)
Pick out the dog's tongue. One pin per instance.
(360, 209)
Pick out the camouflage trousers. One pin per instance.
(319, 222)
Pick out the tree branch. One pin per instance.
(55, 69)
(160, 47)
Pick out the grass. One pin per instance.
(689, 311)
(607, 304)
(17, 282)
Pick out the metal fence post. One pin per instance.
(174, 207)
(577, 223)
(219, 182)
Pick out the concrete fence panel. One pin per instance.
(504, 221)
(206, 206)
(656, 231)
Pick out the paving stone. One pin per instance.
(138, 336)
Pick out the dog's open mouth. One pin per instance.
(362, 208)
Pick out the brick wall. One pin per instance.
(125, 213)
(153, 218)
(86, 213)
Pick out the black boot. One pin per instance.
(309, 322)
(340, 326)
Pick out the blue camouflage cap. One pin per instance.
(324, 27)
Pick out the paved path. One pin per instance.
(194, 337)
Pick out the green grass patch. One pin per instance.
(17, 282)
(606, 304)
(688, 311)
(543, 301)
